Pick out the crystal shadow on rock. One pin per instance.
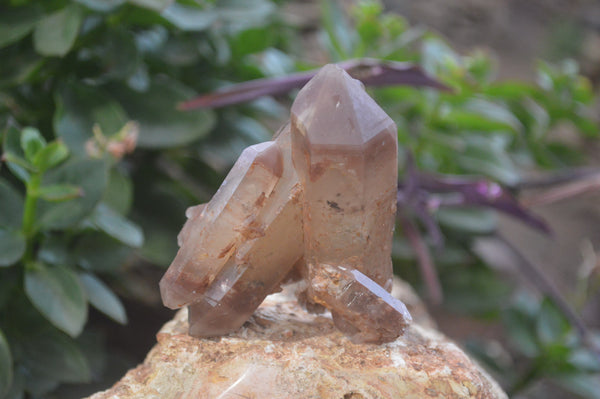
(323, 191)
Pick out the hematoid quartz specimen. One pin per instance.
(316, 203)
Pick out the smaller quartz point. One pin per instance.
(211, 236)
(363, 309)
(260, 264)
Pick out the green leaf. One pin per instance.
(96, 251)
(79, 108)
(161, 124)
(55, 250)
(57, 293)
(116, 226)
(17, 22)
(19, 66)
(521, 330)
(438, 57)
(17, 388)
(585, 359)
(51, 357)
(119, 192)
(59, 192)
(101, 5)
(482, 115)
(252, 41)
(509, 90)
(90, 175)
(340, 35)
(55, 34)
(50, 156)
(468, 220)
(11, 211)
(586, 385)
(114, 55)
(6, 366)
(464, 281)
(31, 142)
(12, 247)
(488, 155)
(13, 154)
(161, 217)
(156, 5)
(551, 325)
(102, 298)
(159, 246)
(37, 383)
(188, 18)
(239, 15)
(10, 283)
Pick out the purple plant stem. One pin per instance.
(426, 264)
(478, 192)
(371, 72)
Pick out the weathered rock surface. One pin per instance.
(285, 352)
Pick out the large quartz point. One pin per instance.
(317, 204)
(345, 151)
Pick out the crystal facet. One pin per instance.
(346, 153)
(259, 264)
(317, 203)
(212, 235)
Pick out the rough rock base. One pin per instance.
(285, 352)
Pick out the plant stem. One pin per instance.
(31, 198)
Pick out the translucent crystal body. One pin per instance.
(345, 152)
(259, 264)
(317, 204)
(363, 309)
(226, 221)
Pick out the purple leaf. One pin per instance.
(371, 72)
(479, 192)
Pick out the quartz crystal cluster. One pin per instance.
(316, 204)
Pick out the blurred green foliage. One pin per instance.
(84, 82)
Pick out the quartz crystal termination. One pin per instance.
(212, 235)
(317, 203)
(260, 264)
(363, 309)
(345, 150)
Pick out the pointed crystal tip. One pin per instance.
(335, 103)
